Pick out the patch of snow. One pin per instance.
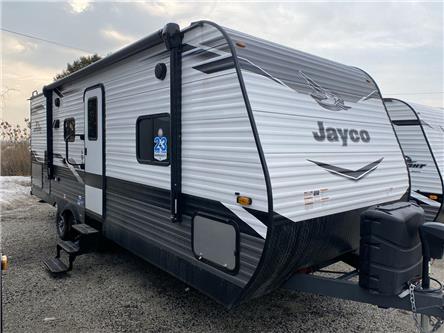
(13, 188)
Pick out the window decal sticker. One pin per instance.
(160, 146)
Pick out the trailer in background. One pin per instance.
(420, 130)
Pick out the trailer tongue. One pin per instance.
(391, 273)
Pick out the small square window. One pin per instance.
(153, 139)
(92, 118)
(69, 129)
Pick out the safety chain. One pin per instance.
(438, 322)
(412, 287)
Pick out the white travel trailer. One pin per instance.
(420, 131)
(226, 160)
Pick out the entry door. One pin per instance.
(93, 151)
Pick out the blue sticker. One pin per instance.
(160, 148)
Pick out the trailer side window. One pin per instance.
(69, 129)
(92, 118)
(153, 139)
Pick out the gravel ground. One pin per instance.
(114, 291)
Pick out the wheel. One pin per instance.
(64, 222)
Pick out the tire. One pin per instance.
(64, 222)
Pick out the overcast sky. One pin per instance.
(400, 44)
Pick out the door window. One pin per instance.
(92, 118)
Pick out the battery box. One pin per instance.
(390, 248)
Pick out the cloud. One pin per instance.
(166, 8)
(366, 26)
(13, 45)
(181, 12)
(20, 79)
(116, 36)
(79, 6)
(399, 44)
(314, 26)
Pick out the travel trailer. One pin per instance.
(233, 163)
(420, 130)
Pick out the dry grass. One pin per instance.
(15, 155)
(15, 159)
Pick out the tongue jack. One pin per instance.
(432, 239)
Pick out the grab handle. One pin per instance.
(82, 137)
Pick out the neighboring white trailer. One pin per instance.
(38, 142)
(420, 131)
(226, 160)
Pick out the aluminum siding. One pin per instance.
(38, 127)
(414, 144)
(424, 173)
(148, 220)
(219, 155)
(434, 129)
(39, 178)
(287, 116)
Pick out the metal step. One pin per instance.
(68, 246)
(84, 229)
(56, 266)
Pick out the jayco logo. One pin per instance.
(335, 134)
(414, 164)
(324, 97)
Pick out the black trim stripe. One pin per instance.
(159, 198)
(89, 214)
(427, 194)
(218, 65)
(49, 145)
(224, 64)
(406, 122)
(94, 180)
(173, 41)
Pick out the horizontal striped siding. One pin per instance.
(287, 118)
(152, 223)
(219, 152)
(38, 126)
(434, 132)
(415, 146)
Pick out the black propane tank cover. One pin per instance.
(390, 253)
(160, 71)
